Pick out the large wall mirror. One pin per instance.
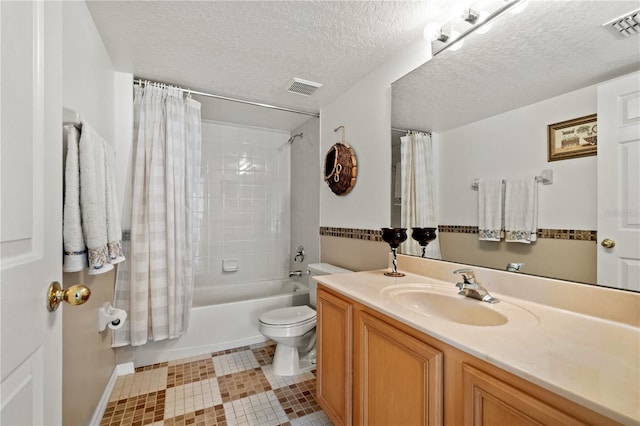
(487, 107)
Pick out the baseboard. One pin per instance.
(119, 370)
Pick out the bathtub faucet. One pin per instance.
(295, 274)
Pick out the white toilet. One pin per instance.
(294, 328)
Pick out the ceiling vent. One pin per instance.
(302, 87)
(626, 25)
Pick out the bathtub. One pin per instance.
(224, 317)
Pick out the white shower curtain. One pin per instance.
(157, 286)
(418, 191)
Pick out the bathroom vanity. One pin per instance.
(387, 356)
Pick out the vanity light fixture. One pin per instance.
(480, 21)
(471, 16)
(432, 31)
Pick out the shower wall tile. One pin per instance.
(244, 211)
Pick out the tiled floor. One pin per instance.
(233, 387)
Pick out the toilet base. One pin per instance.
(288, 362)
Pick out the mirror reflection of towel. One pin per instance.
(490, 209)
(521, 210)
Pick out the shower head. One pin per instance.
(293, 138)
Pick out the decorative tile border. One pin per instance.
(458, 229)
(568, 234)
(557, 234)
(352, 233)
(376, 234)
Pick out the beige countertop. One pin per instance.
(591, 361)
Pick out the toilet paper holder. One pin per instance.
(111, 317)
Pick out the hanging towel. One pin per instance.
(521, 210)
(75, 252)
(98, 205)
(490, 209)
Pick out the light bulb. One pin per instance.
(457, 10)
(484, 27)
(431, 31)
(456, 44)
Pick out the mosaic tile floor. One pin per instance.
(233, 387)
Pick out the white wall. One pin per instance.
(514, 144)
(365, 111)
(244, 213)
(123, 142)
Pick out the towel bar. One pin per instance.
(546, 178)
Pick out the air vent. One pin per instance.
(626, 25)
(302, 87)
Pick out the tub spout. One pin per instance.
(295, 274)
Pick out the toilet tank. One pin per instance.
(320, 269)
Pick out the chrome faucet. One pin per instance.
(470, 288)
(295, 274)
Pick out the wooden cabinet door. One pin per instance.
(334, 357)
(490, 401)
(398, 378)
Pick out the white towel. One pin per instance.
(75, 252)
(521, 210)
(490, 209)
(100, 223)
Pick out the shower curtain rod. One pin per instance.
(140, 81)
(395, 129)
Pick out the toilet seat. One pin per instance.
(287, 317)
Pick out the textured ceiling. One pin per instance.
(551, 48)
(252, 49)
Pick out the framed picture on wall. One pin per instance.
(573, 138)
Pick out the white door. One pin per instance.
(30, 210)
(619, 182)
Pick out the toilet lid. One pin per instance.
(290, 315)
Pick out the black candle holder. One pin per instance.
(423, 236)
(394, 237)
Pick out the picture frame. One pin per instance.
(573, 138)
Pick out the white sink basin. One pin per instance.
(446, 304)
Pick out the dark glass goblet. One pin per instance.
(424, 236)
(393, 237)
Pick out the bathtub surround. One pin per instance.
(243, 211)
(158, 294)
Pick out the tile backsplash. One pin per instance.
(242, 204)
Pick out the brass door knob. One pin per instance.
(607, 243)
(74, 295)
